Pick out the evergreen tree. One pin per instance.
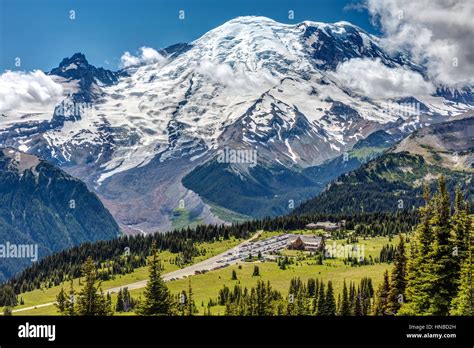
(119, 307)
(398, 278)
(358, 309)
(7, 311)
(330, 305)
(419, 266)
(91, 301)
(61, 300)
(190, 301)
(436, 285)
(381, 304)
(463, 303)
(366, 293)
(345, 309)
(157, 299)
(234, 275)
(256, 271)
(321, 300)
(263, 299)
(461, 223)
(70, 305)
(443, 271)
(352, 297)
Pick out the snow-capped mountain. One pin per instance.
(250, 84)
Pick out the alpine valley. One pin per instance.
(146, 139)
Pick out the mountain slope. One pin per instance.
(42, 205)
(274, 190)
(252, 84)
(394, 180)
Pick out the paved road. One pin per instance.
(206, 265)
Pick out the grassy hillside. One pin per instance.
(206, 286)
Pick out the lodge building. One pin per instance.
(305, 242)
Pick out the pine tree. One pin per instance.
(461, 224)
(61, 301)
(256, 271)
(234, 275)
(190, 301)
(398, 278)
(70, 305)
(444, 270)
(345, 305)
(381, 304)
(419, 267)
(352, 297)
(463, 303)
(358, 309)
(91, 300)
(330, 301)
(435, 280)
(119, 306)
(321, 300)
(367, 293)
(157, 299)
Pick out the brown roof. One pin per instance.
(305, 238)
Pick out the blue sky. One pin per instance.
(41, 33)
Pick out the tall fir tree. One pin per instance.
(330, 305)
(358, 309)
(321, 310)
(190, 305)
(398, 278)
(345, 309)
(444, 270)
(70, 305)
(119, 307)
(463, 303)
(157, 298)
(419, 267)
(61, 299)
(91, 300)
(381, 302)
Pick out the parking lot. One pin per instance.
(252, 249)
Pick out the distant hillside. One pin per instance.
(394, 180)
(40, 204)
(266, 190)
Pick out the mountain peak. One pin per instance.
(78, 68)
(77, 59)
(251, 19)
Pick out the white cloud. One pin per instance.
(238, 78)
(373, 79)
(28, 90)
(438, 33)
(147, 55)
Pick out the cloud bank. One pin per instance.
(438, 33)
(373, 79)
(146, 55)
(24, 90)
(239, 79)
